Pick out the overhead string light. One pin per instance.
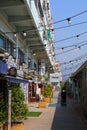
(64, 47)
(66, 51)
(24, 34)
(75, 47)
(70, 25)
(75, 36)
(75, 59)
(69, 18)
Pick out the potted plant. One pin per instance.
(19, 109)
(2, 111)
(48, 93)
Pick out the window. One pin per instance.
(20, 56)
(1, 42)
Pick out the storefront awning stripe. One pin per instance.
(16, 80)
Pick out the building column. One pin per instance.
(43, 67)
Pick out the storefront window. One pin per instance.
(1, 42)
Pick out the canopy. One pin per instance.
(16, 79)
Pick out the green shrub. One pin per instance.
(19, 108)
(48, 90)
(3, 112)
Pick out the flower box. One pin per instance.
(42, 104)
(18, 126)
(47, 99)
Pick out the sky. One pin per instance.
(70, 58)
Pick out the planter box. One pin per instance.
(17, 126)
(47, 99)
(42, 104)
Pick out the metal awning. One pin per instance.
(16, 79)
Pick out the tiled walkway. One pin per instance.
(55, 117)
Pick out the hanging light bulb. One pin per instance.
(62, 48)
(69, 20)
(15, 34)
(34, 53)
(79, 47)
(24, 34)
(77, 36)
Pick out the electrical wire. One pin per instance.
(72, 67)
(72, 49)
(75, 59)
(70, 17)
(51, 23)
(70, 37)
(65, 51)
(70, 45)
(84, 22)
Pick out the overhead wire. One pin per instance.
(71, 49)
(75, 59)
(57, 48)
(61, 40)
(84, 22)
(70, 17)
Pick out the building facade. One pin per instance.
(27, 38)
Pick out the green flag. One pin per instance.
(48, 34)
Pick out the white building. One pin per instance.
(56, 78)
(26, 33)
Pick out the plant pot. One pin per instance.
(47, 99)
(14, 126)
(1, 127)
(42, 104)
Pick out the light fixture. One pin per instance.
(24, 34)
(77, 36)
(79, 47)
(52, 29)
(69, 20)
(62, 48)
(6, 54)
(14, 49)
(29, 60)
(15, 34)
(34, 53)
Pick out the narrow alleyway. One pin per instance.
(66, 118)
(55, 117)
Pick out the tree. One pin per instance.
(19, 108)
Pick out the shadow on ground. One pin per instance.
(65, 118)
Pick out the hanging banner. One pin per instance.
(48, 34)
